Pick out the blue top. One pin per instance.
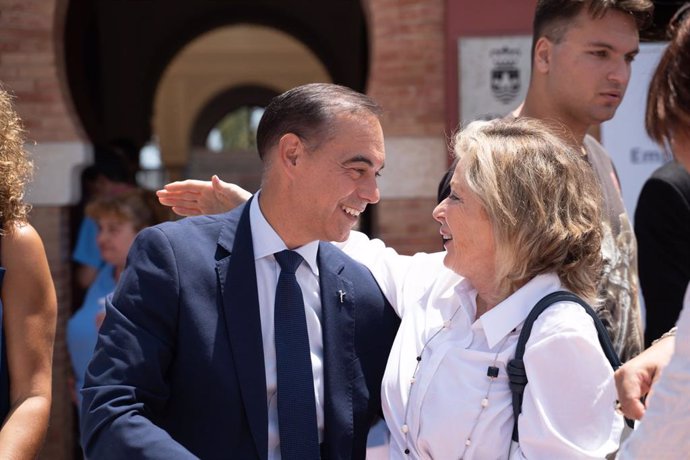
(4, 374)
(86, 251)
(82, 329)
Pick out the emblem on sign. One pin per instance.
(505, 74)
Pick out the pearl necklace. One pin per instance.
(491, 372)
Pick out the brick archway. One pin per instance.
(116, 52)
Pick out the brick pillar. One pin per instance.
(30, 68)
(407, 79)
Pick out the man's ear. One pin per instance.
(543, 50)
(290, 150)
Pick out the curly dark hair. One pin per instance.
(15, 166)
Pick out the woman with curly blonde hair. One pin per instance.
(28, 305)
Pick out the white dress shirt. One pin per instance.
(568, 406)
(664, 432)
(266, 242)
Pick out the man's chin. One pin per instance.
(605, 115)
(341, 237)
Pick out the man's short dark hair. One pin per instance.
(308, 111)
(551, 17)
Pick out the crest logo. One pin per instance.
(505, 74)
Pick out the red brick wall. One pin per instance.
(407, 78)
(407, 225)
(29, 67)
(407, 65)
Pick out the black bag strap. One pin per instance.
(516, 366)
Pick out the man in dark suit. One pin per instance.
(662, 226)
(186, 365)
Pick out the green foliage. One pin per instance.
(236, 129)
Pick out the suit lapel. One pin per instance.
(237, 279)
(339, 350)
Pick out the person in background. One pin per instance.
(112, 174)
(28, 304)
(119, 218)
(581, 63)
(662, 218)
(662, 226)
(664, 432)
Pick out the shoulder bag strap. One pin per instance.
(516, 367)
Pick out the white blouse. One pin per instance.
(664, 432)
(568, 405)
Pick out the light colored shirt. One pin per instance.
(86, 251)
(266, 242)
(568, 406)
(82, 327)
(664, 432)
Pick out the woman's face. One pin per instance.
(115, 236)
(467, 233)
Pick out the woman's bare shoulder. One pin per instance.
(22, 248)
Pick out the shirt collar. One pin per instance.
(267, 242)
(512, 311)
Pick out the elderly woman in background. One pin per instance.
(28, 305)
(521, 222)
(119, 218)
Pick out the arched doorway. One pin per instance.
(117, 52)
(219, 72)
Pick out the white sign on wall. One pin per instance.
(635, 155)
(494, 75)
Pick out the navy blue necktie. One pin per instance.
(299, 438)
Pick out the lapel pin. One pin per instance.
(341, 293)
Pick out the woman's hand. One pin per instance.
(635, 379)
(195, 197)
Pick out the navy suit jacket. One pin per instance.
(178, 370)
